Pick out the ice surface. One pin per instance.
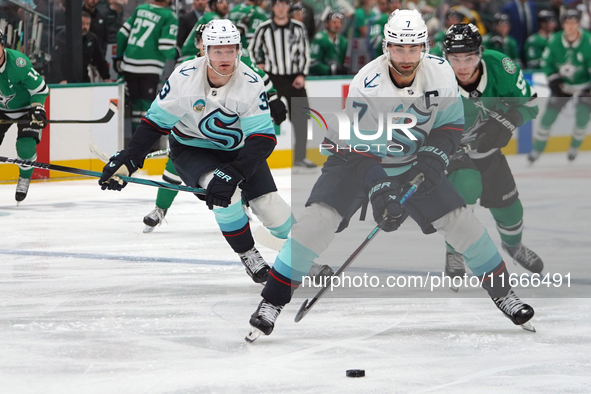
(90, 304)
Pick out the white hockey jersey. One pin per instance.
(214, 118)
(433, 98)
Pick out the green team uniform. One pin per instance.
(361, 19)
(570, 63)
(147, 39)
(144, 42)
(487, 176)
(437, 48)
(21, 86)
(324, 51)
(376, 34)
(508, 46)
(249, 17)
(534, 48)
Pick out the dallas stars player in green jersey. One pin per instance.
(328, 48)
(567, 65)
(165, 197)
(499, 39)
(22, 96)
(497, 100)
(247, 17)
(536, 43)
(144, 42)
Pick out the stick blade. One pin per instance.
(302, 312)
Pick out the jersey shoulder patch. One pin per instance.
(509, 65)
(20, 62)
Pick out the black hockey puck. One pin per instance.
(355, 373)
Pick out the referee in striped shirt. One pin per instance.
(280, 47)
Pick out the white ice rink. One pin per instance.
(90, 304)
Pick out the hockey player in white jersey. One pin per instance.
(404, 80)
(215, 111)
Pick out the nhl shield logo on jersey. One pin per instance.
(199, 105)
(509, 66)
(20, 62)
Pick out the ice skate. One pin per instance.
(454, 266)
(153, 219)
(22, 187)
(262, 320)
(572, 153)
(533, 156)
(303, 166)
(525, 257)
(255, 265)
(515, 310)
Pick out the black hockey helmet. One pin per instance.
(502, 18)
(570, 14)
(462, 38)
(199, 33)
(546, 16)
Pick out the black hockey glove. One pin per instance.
(278, 110)
(431, 162)
(119, 164)
(556, 88)
(117, 64)
(223, 185)
(498, 130)
(38, 117)
(338, 69)
(385, 203)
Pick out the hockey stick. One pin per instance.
(105, 119)
(105, 158)
(306, 306)
(96, 174)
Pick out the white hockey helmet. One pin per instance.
(405, 27)
(220, 32)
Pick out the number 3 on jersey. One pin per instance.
(265, 104)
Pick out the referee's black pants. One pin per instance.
(283, 84)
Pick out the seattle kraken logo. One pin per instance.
(216, 127)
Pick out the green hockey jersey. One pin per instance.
(506, 45)
(147, 39)
(501, 87)
(571, 62)
(360, 20)
(437, 47)
(249, 17)
(534, 48)
(20, 85)
(376, 34)
(324, 51)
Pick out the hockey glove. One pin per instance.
(278, 110)
(385, 203)
(38, 117)
(119, 164)
(431, 162)
(498, 130)
(338, 69)
(117, 60)
(555, 85)
(223, 185)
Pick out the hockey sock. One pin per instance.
(139, 108)
(496, 281)
(582, 115)
(235, 227)
(468, 183)
(279, 289)
(509, 222)
(165, 197)
(578, 136)
(26, 149)
(549, 117)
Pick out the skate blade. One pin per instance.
(148, 229)
(528, 327)
(253, 335)
(454, 289)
